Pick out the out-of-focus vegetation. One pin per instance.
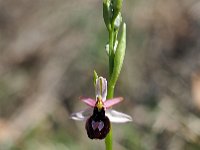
(49, 50)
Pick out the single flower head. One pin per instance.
(99, 114)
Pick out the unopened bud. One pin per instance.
(118, 21)
(107, 49)
(117, 5)
(107, 13)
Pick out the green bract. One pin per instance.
(119, 57)
(95, 78)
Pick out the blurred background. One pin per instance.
(49, 49)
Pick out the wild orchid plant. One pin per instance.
(100, 113)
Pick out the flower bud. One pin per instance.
(107, 13)
(117, 5)
(118, 21)
(107, 49)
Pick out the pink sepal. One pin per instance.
(89, 101)
(110, 102)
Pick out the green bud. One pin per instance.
(107, 13)
(115, 47)
(117, 6)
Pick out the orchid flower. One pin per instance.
(99, 114)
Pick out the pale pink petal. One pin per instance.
(82, 115)
(89, 101)
(110, 102)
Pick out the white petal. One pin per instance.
(82, 115)
(117, 117)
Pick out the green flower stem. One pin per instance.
(112, 18)
(111, 89)
(115, 68)
(108, 140)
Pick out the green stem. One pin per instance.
(111, 89)
(114, 65)
(108, 140)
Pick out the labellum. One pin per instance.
(98, 125)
